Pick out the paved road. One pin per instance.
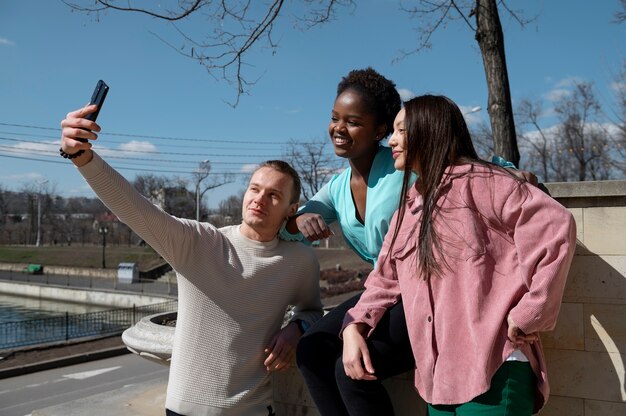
(19, 396)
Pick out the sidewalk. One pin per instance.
(147, 399)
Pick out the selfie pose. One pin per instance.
(479, 258)
(234, 283)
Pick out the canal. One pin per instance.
(19, 308)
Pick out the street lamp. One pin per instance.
(103, 231)
(41, 184)
(203, 171)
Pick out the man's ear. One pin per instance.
(292, 209)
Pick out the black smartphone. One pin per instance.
(97, 98)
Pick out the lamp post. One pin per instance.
(103, 231)
(203, 171)
(41, 184)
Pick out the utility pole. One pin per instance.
(41, 184)
(103, 231)
(204, 168)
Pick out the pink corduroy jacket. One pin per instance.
(508, 248)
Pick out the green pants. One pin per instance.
(512, 393)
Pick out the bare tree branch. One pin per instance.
(313, 163)
(235, 27)
(620, 15)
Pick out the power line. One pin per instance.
(55, 153)
(205, 155)
(120, 141)
(142, 136)
(122, 167)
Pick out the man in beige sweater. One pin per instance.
(234, 283)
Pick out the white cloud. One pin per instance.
(562, 88)
(24, 177)
(138, 146)
(471, 114)
(83, 190)
(535, 136)
(406, 95)
(5, 41)
(556, 94)
(619, 87)
(248, 168)
(39, 149)
(569, 82)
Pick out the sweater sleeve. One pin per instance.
(382, 289)
(545, 239)
(173, 238)
(308, 306)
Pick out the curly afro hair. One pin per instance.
(379, 94)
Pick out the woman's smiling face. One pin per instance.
(353, 130)
(398, 142)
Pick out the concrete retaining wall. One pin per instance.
(116, 299)
(64, 271)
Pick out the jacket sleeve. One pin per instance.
(544, 234)
(382, 289)
(173, 238)
(321, 203)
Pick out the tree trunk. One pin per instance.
(491, 41)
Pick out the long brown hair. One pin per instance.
(436, 137)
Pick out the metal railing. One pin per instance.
(70, 326)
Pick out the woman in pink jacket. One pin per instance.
(480, 259)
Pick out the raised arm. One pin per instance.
(171, 237)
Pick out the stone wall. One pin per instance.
(587, 350)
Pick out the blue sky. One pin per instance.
(52, 57)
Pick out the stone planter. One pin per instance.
(151, 339)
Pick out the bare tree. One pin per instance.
(201, 175)
(487, 29)
(234, 28)
(483, 140)
(149, 185)
(539, 153)
(620, 15)
(580, 133)
(619, 111)
(4, 205)
(314, 164)
(230, 208)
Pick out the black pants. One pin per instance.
(319, 358)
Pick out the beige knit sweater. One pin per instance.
(232, 294)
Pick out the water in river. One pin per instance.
(18, 308)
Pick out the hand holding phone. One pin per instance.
(97, 98)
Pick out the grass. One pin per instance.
(81, 256)
(145, 257)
